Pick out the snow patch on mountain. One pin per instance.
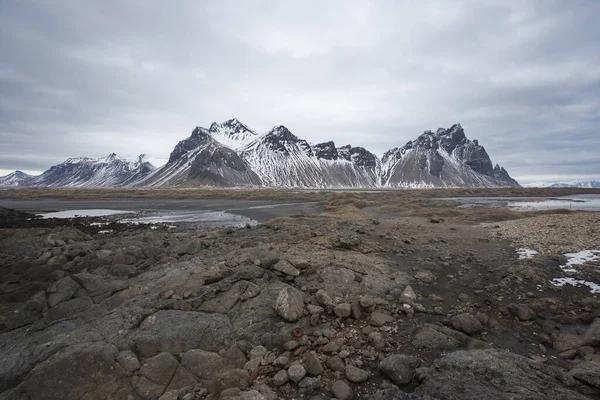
(15, 179)
(109, 171)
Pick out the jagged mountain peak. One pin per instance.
(282, 133)
(326, 151)
(232, 133)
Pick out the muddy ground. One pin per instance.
(380, 295)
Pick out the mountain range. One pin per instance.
(230, 154)
(574, 184)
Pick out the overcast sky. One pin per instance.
(86, 78)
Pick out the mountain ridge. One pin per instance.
(231, 154)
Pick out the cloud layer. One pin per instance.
(88, 78)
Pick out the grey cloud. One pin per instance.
(90, 77)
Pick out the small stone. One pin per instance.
(257, 352)
(343, 310)
(376, 340)
(333, 346)
(281, 378)
(290, 345)
(281, 362)
(314, 310)
(252, 395)
(309, 384)
(521, 311)
(356, 375)
(128, 361)
(366, 301)
(323, 298)
(379, 318)
(312, 364)
(286, 268)
(341, 390)
(466, 323)
(296, 372)
(335, 363)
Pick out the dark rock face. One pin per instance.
(359, 156)
(444, 158)
(326, 151)
(493, 374)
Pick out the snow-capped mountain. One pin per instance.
(231, 154)
(109, 171)
(232, 134)
(445, 158)
(15, 179)
(202, 160)
(595, 184)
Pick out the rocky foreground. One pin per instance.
(351, 304)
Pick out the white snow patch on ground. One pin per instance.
(82, 213)
(579, 258)
(594, 287)
(526, 253)
(105, 231)
(576, 259)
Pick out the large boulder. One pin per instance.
(496, 375)
(97, 287)
(290, 304)
(399, 368)
(176, 331)
(88, 369)
(61, 291)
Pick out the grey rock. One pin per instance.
(379, 318)
(128, 361)
(87, 368)
(399, 368)
(357, 310)
(408, 296)
(160, 368)
(177, 331)
(97, 287)
(170, 395)
(343, 310)
(286, 268)
(366, 301)
(281, 362)
(205, 364)
(466, 323)
(588, 372)
(29, 313)
(69, 309)
(252, 395)
(333, 347)
(341, 390)
(309, 384)
(356, 375)
(335, 363)
(430, 337)
(61, 291)
(281, 378)
(290, 345)
(290, 304)
(393, 394)
(234, 378)
(494, 374)
(257, 352)
(376, 339)
(312, 364)
(521, 311)
(323, 298)
(296, 372)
